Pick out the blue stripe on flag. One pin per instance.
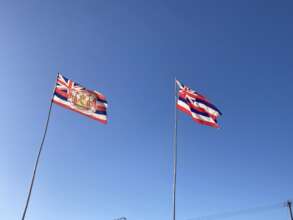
(209, 105)
(101, 100)
(60, 97)
(101, 112)
(194, 110)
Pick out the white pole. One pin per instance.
(175, 155)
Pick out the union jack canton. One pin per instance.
(75, 97)
(197, 106)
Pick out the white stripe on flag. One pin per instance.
(205, 107)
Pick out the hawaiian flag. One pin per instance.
(197, 106)
(75, 97)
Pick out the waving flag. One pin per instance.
(197, 106)
(75, 97)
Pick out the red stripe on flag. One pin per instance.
(101, 107)
(62, 93)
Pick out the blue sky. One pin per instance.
(237, 53)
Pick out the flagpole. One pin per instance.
(37, 162)
(175, 155)
(289, 204)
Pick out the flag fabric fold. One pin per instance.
(75, 97)
(197, 106)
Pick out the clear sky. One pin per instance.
(237, 53)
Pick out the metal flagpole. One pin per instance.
(289, 204)
(37, 163)
(175, 155)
